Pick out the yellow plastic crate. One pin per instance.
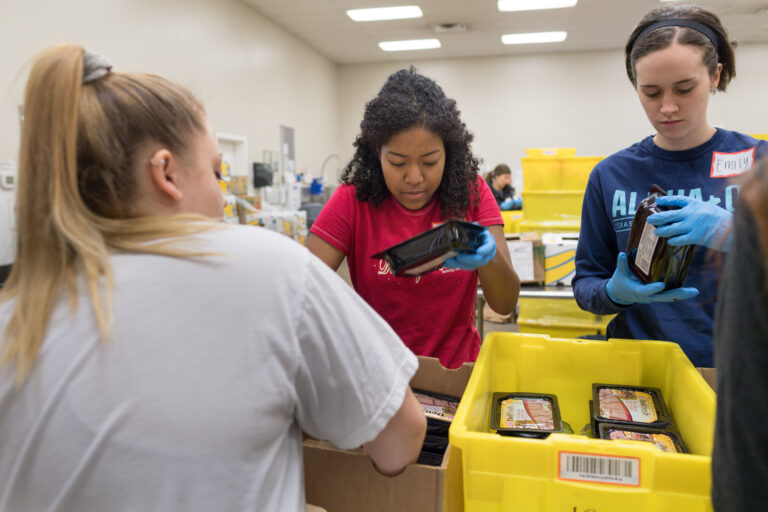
(504, 474)
(559, 317)
(512, 220)
(542, 206)
(568, 225)
(550, 151)
(561, 173)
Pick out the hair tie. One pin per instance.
(680, 22)
(95, 66)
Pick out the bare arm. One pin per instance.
(501, 286)
(400, 442)
(325, 251)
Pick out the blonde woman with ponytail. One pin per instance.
(153, 358)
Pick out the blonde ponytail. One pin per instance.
(75, 189)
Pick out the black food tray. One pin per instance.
(428, 251)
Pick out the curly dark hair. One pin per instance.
(409, 100)
(663, 37)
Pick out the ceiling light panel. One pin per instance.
(414, 44)
(533, 5)
(386, 13)
(534, 37)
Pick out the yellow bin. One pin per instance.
(512, 220)
(559, 317)
(551, 152)
(561, 173)
(552, 206)
(564, 472)
(567, 225)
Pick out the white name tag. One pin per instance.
(725, 165)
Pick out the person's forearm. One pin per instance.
(501, 286)
(400, 442)
(590, 295)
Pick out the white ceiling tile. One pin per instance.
(591, 24)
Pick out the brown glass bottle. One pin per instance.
(650, 257)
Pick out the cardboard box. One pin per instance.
(238, 185)
(247, 205)
(224, 184)
(292, 223)
(230, 210)
(527, 255)
(559, 257)
(710, 375)
(345, 480)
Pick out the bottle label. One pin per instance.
(646, 248)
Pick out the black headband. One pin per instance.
(679, 22)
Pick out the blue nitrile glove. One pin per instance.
(474, 260)
(507, 204)
(625, 289)
(695, 223)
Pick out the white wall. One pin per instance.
(581, 100)
(251, 75)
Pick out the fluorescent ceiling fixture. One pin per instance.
(534, 37)
(414, 44)
(386, 13)
(534, 5)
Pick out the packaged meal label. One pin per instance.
(662, 441)
(437, 408)
(627, 405)
(527, 413)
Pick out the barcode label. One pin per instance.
(600, 468)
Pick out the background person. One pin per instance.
(676, 57)
(413, 169)
(500, 182)
(153, 359)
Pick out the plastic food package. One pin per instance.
(525, 414)
(437, 406)
(666, 440)
(440, 411)
(429, 250)
(629, 405)
(650, 257)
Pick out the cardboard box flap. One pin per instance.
(346, 481)
(433, 376)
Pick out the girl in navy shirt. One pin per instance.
(675, 58)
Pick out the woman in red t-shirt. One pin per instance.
(413, 169)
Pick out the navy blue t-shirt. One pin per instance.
(616, 186)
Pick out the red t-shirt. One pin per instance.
(434, 314)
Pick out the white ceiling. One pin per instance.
(591, 25)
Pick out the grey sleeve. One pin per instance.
(740, 453)
(353, 370)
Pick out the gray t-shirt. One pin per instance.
(198, 399)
